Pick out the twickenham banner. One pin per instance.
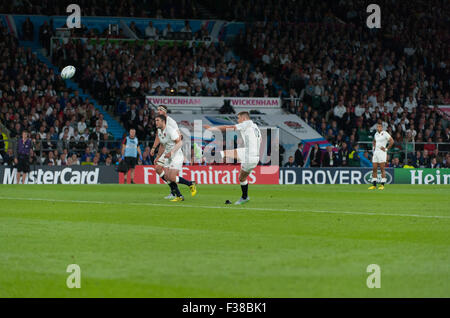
(219, 174)
(422, 176)
(63, 175)
(171, 101)
(331, 175)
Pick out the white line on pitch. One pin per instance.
(182, 205)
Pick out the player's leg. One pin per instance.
(132, 175)
(230, 154)
(191, 184)
(246, 169)
(19, 170)
(171, 179)
(26, 171)
(18, 177)
(374, 175)
(133, 168)
(125, 174)
(383, 175)
(22, 170)
(244, 186)
(176, 164)
(161, 170)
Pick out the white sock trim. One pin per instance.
(374, 179)
(244, 183)
(162, 175)
(177, 179)
(383, 180)
(222, 153)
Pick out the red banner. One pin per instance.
(220, 174)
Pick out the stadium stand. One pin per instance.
(35, 99)
(340, 77)
(173, 9)
(344, 78)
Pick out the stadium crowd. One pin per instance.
(167, 9)
(64, 128)
(340, 78)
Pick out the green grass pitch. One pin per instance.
(288, 241)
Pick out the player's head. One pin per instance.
(132, 132)
(24, 134)
(243, 116)
(162, 110)
(379, 127)
(160, 121)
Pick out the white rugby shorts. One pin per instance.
(163, 161)
(379, 156)
(176, 162)
(247, 164)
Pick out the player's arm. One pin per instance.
(155, 144)
(391, 143)
(178, 144)
(221, 128)
(373, 144)
(123, 149)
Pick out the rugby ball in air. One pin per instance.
(68, 72)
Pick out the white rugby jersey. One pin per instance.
(381, 139)
(170, 122)
(168, 138)
(251, 136)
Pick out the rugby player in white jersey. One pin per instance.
(171, 143)
(247, 156)
(160, 161)
(381, 139)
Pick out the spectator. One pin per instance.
(436, 155)
(87, 156)
(151, 31)
(45, 33)
(396, 163)
(446, 161)
(8, 158)
(430, 146)
(409, 165)
(187, 27)
(75, 161)
(353, 157)
(102, 123)
(146, 158)
(329, 158)
(50, 161)
(434, 164)
(87, 162)
(167, 30)
(344, 155)
(299, 162)
(290, 163)
(316, 156)
(62, 161)
(96, 135)
(3, 137)
(28, 30)
(425, 160)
